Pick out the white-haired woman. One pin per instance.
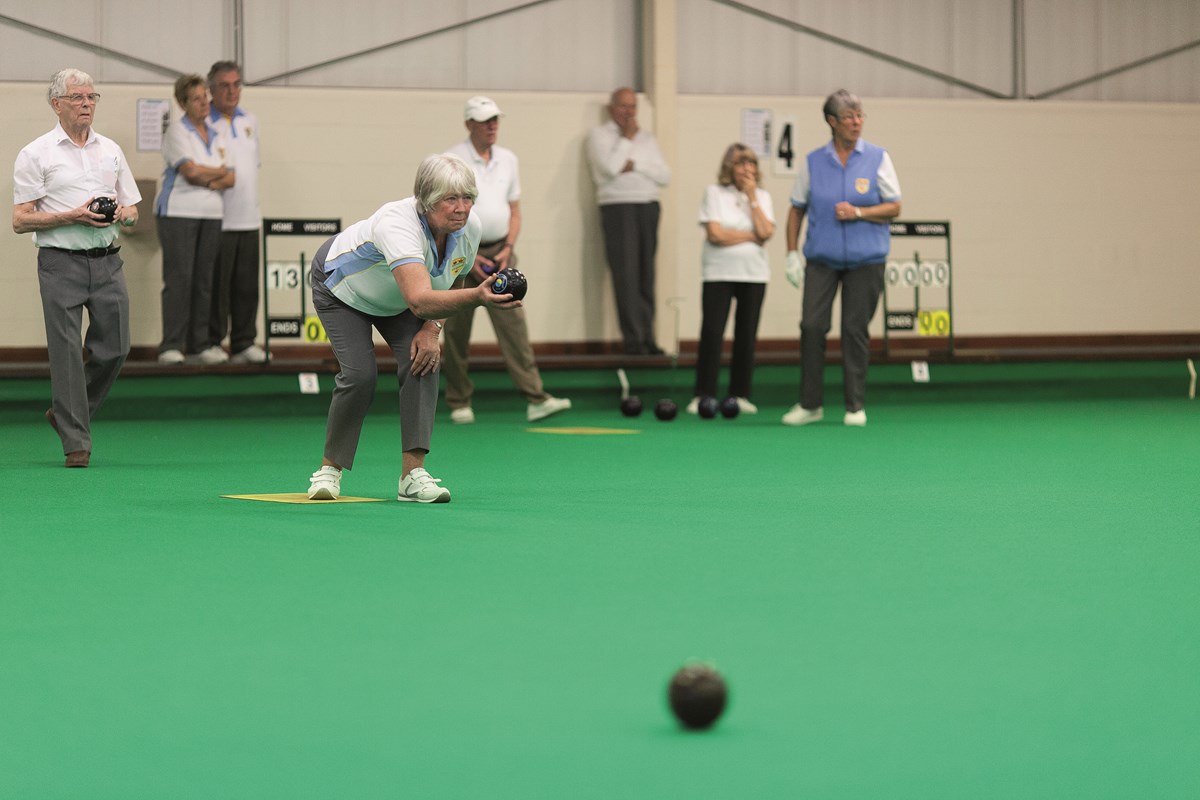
(189, 210)
(392, 272)
(848, 191)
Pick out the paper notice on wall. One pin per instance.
(152, 119)
(756, 130)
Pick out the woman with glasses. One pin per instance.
(849, 193)
(189, 209)
(393, 273)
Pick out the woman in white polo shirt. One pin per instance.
(738, 220)
(189, 211)
(392, 273)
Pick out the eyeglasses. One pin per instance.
(229, 85)
(77, 99)
(846, 116)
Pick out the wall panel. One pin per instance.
(1060, 222)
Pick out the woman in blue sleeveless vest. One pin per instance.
(849, 192)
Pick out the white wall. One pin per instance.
(1067, 217)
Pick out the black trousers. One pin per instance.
(235, 290)
(716, 297)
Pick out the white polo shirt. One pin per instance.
(60, 176)
(242, 211)
(360, 261)
(745, 262)
(499, 184)
(177, 197)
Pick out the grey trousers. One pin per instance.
(512, 333)
(189, 259)
(630, 242)
(861, 288)
(235, 291)
(71, 282)
(350, 334)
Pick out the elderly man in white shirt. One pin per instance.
(237, 278)
(630, 172)
(56, 179)
(499, 209)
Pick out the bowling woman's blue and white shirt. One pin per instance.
(361, 258)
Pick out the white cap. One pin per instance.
(481, 109)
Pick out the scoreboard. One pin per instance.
(918, 291)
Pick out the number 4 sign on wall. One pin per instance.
(786, 156)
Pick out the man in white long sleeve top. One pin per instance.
(630, 172)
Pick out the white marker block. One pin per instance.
(309, 384)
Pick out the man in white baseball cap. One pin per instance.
(481, 109)
(498, 206)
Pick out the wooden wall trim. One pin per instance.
(292, 358)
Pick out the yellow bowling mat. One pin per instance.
(300, 498)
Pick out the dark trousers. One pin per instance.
(235, 290)
(861, 288)
(189, 258)
(69, 283)
(716, 298)
(350, 335)
(630, 242)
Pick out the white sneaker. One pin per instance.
(213, 355)
(856, 419)
(325, 484)
(694, 406)
(419, 486)
(251, 355)
(551, 405)
(799, 415)
(462, 416)
(745, 406)
(170, 357)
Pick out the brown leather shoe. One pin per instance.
(78, 458)
(50, 418)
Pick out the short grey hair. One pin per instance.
(839, 101)
(220, 68)
(64, 78)
(442, 175)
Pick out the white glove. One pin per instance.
(794, 269)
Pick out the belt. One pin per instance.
(501, 240)
(95, 252)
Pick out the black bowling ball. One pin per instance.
(631, 406)
(697, 694)
(106, 206)
(511, 281)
